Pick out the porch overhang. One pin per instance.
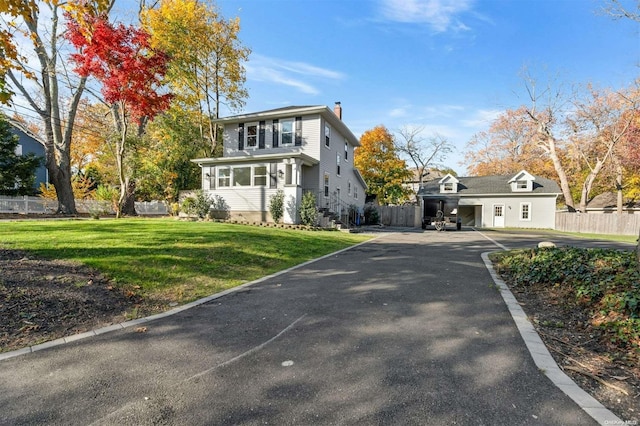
(282, 157)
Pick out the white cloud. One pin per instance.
(398, 112)
(482, 118)
(440, 15)
(298, 75)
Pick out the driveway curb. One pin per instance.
(543, 359)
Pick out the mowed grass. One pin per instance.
(166, 260)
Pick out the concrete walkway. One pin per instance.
(406, 329)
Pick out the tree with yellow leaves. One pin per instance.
(206, 68)
(384, 172)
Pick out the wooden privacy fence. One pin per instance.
(400, 216)
(598, 223)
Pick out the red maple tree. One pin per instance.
(131, 72)
(121, 58)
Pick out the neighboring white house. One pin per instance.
(297, 149)
(520, 201)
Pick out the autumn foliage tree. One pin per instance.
(206, 68)
(382, 169)
(37, 23)
(506, 148)
(570, 138)
(131, 72)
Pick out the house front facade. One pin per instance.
(293, 149)
(518, 201)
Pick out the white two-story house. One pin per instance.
(296, 149)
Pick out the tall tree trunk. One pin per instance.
(550, 148)
(57, 142)
(619, 199)
(120, 118)
(128, 206)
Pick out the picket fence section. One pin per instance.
(37, 205)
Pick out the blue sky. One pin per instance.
(449, 66)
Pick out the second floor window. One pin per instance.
(346, 151)
(286, 132)
(338, 165)
(252, 135)
(327, 135)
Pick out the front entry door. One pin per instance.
(498, 215)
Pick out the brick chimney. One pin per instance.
(337, 109)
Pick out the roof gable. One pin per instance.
(522, 182)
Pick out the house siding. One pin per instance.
(254, 201)
(540, 216)
(31, 146)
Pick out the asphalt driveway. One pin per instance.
(405, 329)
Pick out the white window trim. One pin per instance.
(254, 175)
(228, 177)
(288, 168)
(528, 211)
(246, 135)
(327, 136)
(448, 187)
(293, 132)
(326, 182)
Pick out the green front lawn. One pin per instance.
(165, 260)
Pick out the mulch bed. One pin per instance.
(610, 375)
(42, 300)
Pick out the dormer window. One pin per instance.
(522, 182)
(449, 184)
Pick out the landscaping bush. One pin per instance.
(200, 205)
(308, 211)
(605, 282)
(371, 215)
(219, 208)
(276, 205)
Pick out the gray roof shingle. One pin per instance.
(484, 185)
